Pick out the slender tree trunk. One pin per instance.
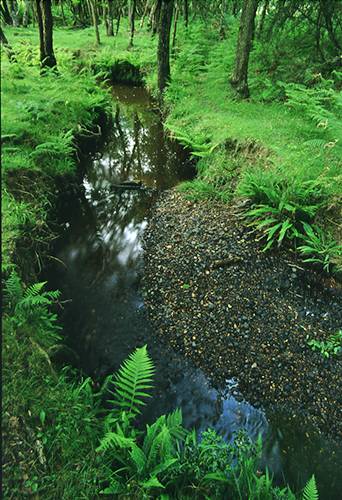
(118, 19)
(110, 31)
(156, 13)
(175, 25)
(14, 12)
(131, 15)
(186, 13)
(93, 10)
(164, 44)
(262, 17)
(147, 7)
(9, 51)
(328, 7)
(6, 13)
(62, 12)
(45, 23)
(239, 77)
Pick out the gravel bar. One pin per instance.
(236, 311)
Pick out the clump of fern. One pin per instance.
(280, 206)
(31, 306)
(144, 460)
(319, 246)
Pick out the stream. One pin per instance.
(100, 268)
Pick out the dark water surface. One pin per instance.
(100, 247)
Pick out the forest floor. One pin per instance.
(239, 312)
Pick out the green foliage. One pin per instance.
(132, 381)
(166, 460)
(321, 104)
(310, 491)
(331, 347)
(32, 306)
(280, 206)
(319, 246)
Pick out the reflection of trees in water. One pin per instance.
(139, 150)
(113, 242)
(112, 217)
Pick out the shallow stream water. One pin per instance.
(101, 251)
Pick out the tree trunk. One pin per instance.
(175, 26)
(262, 17)
(238, 79)
(26, 15)
(156, 13)
(186, 13)
(131, 14)
(117, 23)
(45, 23)
(93, 10)
(110, 30)
(328, 8)
(14, 12)
(62, 12)
(7, 46)
(6, 13)
(147, 7)
(164, 44)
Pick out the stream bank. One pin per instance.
(236, 312)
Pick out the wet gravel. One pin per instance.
(235, 311)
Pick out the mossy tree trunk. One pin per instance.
(164, 44)
(45, 24)
(239, 78)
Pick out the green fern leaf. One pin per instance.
(134, 377)
(310, 491)
(114, 440)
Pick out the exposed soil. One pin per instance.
(238, 312)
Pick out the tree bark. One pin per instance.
(6, 13)
(262, 17)
(328, 8)
(155, 16)
(14, 12)
(9, 51)
(93, 10)
(239, 77)
(186, 13)
(110, 16)
(164, 44)
(131, 14)
(45, 23)
(175, 25)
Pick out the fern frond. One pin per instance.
(115, 440)
(310, 491)
(134, 377)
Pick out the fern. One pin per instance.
(310, 491)
(131, 382)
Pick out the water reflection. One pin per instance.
(101, 248)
